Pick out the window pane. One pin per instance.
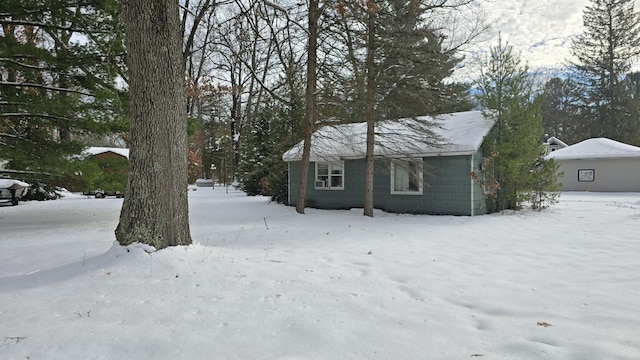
(413, 183)
(323, 170)
(401, 178)
(414, 171)
(406, 176)
(336, 181)
(332, 174)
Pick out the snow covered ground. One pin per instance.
(261, 282)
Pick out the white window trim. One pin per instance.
(420, 178)
(328, 184)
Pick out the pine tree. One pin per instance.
(506, 92)
(544, 188)
(560, 111)
(413, 64)
(275, 129)
(259, 144)
(603, 55)
(398, 68)
(58, 70)
(631, 92)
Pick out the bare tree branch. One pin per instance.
(39, 86)
(286, 14)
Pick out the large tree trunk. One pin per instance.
(155, 209)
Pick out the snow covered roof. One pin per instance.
(555, 141)
(594, 149)
(459, 133)
(95, 150)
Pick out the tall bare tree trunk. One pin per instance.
(155, 209)
(236, 120)
(310, 109)
(370, 112)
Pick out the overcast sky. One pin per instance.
(541, 30)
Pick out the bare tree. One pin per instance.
(370, 111)
(310, 100)
(155, 209)
(241, 55)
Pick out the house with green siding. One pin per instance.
(427, 165)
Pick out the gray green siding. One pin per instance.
(448, 188)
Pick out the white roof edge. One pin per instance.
(592, 157)
(95, 150)
(553, 138)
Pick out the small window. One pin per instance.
(406, 177)
(588, 175)
(329, 176)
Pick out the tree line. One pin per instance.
(599, 96)
(58, 68)
(260, 76)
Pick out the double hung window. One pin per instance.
(329, 176)
(406, 177)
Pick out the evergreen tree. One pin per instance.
(398, 68)
(412, 64)
(560, 111)
(631, 91)
(506, 91)
(603, 55)
(544, 188)
(106, 173)
(58, 70)
(259, 144)
(274, 130)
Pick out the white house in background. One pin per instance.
(553, 143)
(598, 164)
